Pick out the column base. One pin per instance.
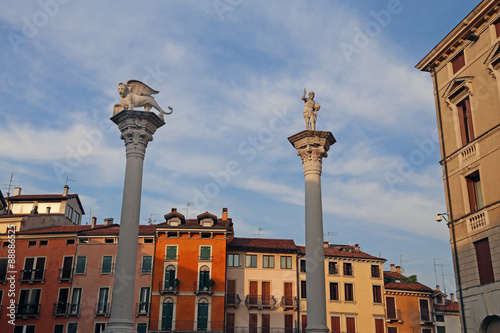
(317, 329)
(120, 327)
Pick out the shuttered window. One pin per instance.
(458, 62)
(484, 264)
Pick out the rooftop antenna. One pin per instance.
(150, 220)
(331, 234)
(188, 205)
(258, 232)
(9, 185)
(401, 261)
(69, 180)
(435, 271)
(442, 276)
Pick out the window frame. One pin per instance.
(232, 258)
(286, 262)
(84, 258)
(250, 260)
(351, 298)
(268, 261)
(150, 271)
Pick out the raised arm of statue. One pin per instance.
(304, 95)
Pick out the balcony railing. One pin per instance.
(426, 317)
(246, 329)
(27, 310)
(233, 300)
(102, 309)
(202, 288)
(393, 315)
(142, 309)
(32, 275)
(158, 326)
(289, 302)
(261, 301)
(61, 309)
(168, 287)
(65, 275)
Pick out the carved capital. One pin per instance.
(312, 147)
(137, 129)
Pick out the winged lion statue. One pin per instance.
(137, 94)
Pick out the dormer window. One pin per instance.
(207, 222)
(174, 222)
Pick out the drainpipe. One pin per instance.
(297, 266)
(451, 222)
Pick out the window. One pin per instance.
(204, 283)
(474, 191)
(424, 311)
(3, 269)
(333, 268)
(205, 253)
(288, 323)
(349, 292)
(252, 323)
(497, 28)
(348, 269)
(458, 62)
(144, 301)
(142, 328)
(465, 121)
(148, 240)
(379, 326)
(109, 240)
(233, 260)
(59, 328)
(375, 271)
(75, 301)
(99, 327)
(146, 264)
(266, 323)
(484, 264)
(29, 302)
(69, 212)
(426, 330)
(171, 253)
(377, 294)
(286, 262)
(70, 242)
(169, 283)
(61, 307)
(5, 245)
(230, 322)
(31, 244)
(76, 217)
(34, 270)
(83, 240)
(251, 260)
(72, 327)
(107, 263)
(102, 304)
(24, 329)
(268, 262)
(392, 329)
(441, 329)
(350, 324)
(440, 318)
(303, 293)
(81, 262)
(302, 265)
(44, 243)
(390, 303)
(334, 291)
(335, 324)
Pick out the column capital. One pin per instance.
(137, 129)
(312, 146)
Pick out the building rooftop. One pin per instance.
(263, 244)
(449, 306)
(391, 279)
(344, 251)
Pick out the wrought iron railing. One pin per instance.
(393, 315)
(27, 310)
(289, 302)
(201, 287)
(168, 286)
(61, 309)
(260, 301)
(142, 308)
(102, 309)
(65, 275)
(233, 300)
(32, 275)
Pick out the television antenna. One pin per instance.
(258, 232)
(69, 180)
(435, 271)
(188, 205)
(150, 220)
(9, 185)
(401, 261)
(329, 234)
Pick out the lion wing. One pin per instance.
(139, 88)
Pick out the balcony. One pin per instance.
(102, 309)
(426, 318)
(61, 309)
(26, 310)
(393, 315)
(260, 301)
(169, 287)
(233, 300)
(201, 287)
(289, 302)
(32, 275)
(65, 275)
(142, 309)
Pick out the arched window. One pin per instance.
(169, 283)
(204, 281)
(167, 314)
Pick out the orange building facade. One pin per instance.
(190, 273)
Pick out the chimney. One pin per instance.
(356, 247)
(398, 269)
(65, 190)
(438, 288)
(393, 268)
(94, 221)
(174, 210)
(452, 296)
(224, 214)
(108, 221)
(17, 191)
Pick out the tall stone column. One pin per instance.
(137, 129)
(312, 147)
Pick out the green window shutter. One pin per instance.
(80, 264)
(205, 253)
(146, 264)
(106, 264)
(172, 252)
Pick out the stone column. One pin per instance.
(137, 128)
(312, 146)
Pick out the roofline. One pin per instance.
(36, 197)
(459, 32)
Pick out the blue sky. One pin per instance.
(234, 71)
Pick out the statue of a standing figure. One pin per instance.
(311, 109)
